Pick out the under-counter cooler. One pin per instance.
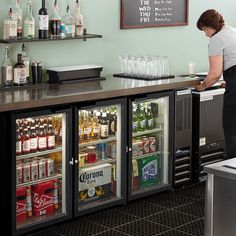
(41, 172)
(100, 155)
(150, 144)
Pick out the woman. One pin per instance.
(222, 59)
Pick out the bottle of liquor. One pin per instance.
(29, 22)
(43, 21)
(55, 22)
(7, 69)
(69, 22)
(18, 15)
(19, 71)
(79, 21)
(26, 61)
(10, 26)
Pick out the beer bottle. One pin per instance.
(81, 127)
(104, 126)
(33, 138)
(141, 118)
(149, 118)
(95, 127)
(87, 127)
(25, 141)
(50, 135)
(42, 140)
(18, 143)
(134, 120)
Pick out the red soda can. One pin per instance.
(152, 144)
(50, 167)
(19, 174)
(34, 170)
(26, 172)
(42, 168)
(21, 211)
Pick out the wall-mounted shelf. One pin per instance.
(84, 37)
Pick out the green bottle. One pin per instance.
(141, 118)
(134, 119)
(149, 118)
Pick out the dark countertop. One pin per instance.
(34, 96)
(220, 169)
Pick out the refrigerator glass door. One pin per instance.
(40, 169)
(150, 144)
(99, 177)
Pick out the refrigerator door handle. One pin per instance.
(72, 161)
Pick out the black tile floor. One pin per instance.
(170, 213)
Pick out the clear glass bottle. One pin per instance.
(29, 22)
(19, 71)
(26, 61)
(10, 26)
(18, 14)
(7, 69)
(69, 22)
(79, 21)
(55, 22)
(43, 21)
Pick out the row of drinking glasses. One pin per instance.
(145, 66)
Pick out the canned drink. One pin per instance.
(113, 150)
(140, 147)
(145, 143)
(26, 172)
(98, 150)
(104, 151)
(135, 148)
(50, 167)
(152, 144)
(34, 170)
(19, 173)
(42, 168)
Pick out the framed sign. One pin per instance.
(153, 13)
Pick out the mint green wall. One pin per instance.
(181, 44)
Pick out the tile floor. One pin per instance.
(178, 213)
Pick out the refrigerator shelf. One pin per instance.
(110, 139)
(146, 155)
(109, 160)
(35, 154)
(57, 176)
(147, 132)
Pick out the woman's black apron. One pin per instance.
(229, 107)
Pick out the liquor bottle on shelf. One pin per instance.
(10, 27)
(19, 71)
(18, 15)
(7, 69)
(69, 22)
(43, 21)
(78, 20)
(104, 126)
(149, 118)
(55, 22)
(141, 118)
(29, 22)
(26, 61)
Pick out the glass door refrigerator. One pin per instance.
(150, 144)
(41, 160)
(100, 150)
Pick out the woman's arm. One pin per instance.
(214, 74)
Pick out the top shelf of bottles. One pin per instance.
(25, 40)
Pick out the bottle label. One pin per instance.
(20, 76)
(51, 141)
(12, 29)
(43, 22)
(87, 130)
(27, 63)
(104, 131)
(70, 29)
(26, 146)
(96, 130)
(142, 124)
(42, 142)
(18, 147)
(33, 143)
(29, 28)
(7, 73)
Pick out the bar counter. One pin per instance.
(34, 96)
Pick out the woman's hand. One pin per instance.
(200, 87)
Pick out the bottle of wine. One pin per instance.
(55, 22)
(78, 20)
(29, 22)
(43, 21)
(20, 72)
(7, 69)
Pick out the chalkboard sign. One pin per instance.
(153, 13)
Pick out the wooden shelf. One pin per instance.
(84, 37)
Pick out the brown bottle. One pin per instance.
(19, 71)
